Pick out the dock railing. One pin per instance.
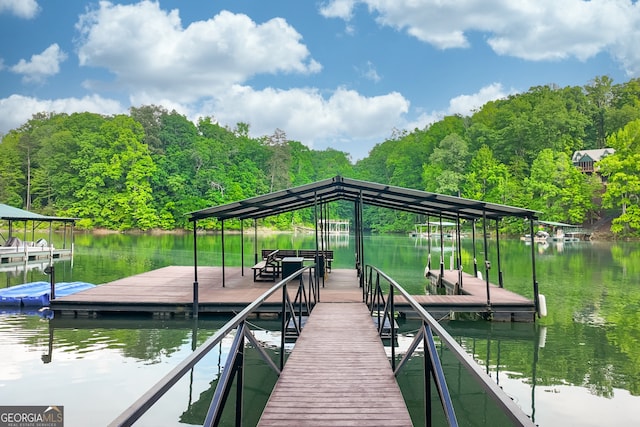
(383, 307)
(291, 313)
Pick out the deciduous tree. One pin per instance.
(622, 171)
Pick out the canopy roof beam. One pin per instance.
(369, 193)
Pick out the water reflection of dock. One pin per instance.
(169, 291)
(17, 268)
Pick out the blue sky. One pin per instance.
(330, 73)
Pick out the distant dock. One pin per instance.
(13, 255)
(168, 291)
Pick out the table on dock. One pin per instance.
(336, 377)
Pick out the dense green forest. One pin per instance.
(148, 169)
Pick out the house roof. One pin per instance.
(381, 195)
(593, 155)
(14, 214)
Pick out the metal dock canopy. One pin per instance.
(9, 213)
(340, 188)
(12, 249)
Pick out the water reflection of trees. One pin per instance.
(583, 353)
(578, 354)
(259, 382)
(147, 340)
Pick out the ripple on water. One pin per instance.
(19, 328)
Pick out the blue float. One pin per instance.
(38, 294)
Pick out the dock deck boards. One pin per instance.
(170, 289)
(333, 378)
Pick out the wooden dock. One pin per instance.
(335, 378)
(472, 297)
(170, 290)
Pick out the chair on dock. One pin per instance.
(268, 269)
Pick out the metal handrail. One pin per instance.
(151, 396)
(432, 366)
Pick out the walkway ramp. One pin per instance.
(337, 375)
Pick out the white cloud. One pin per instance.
(149, 51)
(202, 70)
(21, 8)
(466, 105)
(370, 73)
(17, 109)
(625, 50)
(463, 105)
(338, 9)
(425, 119)
(306, 116)
(41, 65)
(528, 29)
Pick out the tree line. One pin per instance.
(148, 169)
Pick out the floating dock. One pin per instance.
(38, 294)
(169, 291)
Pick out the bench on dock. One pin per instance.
(268, 269)
(307, 254)
(310, 255)
(282, 253)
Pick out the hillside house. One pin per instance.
(586, 160)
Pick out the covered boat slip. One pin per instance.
(16, 247)
(200, 289)
(225, 289)
(435, 207)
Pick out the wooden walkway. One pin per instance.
(170, 290)
(337, 377)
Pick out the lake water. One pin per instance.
(578, 366)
